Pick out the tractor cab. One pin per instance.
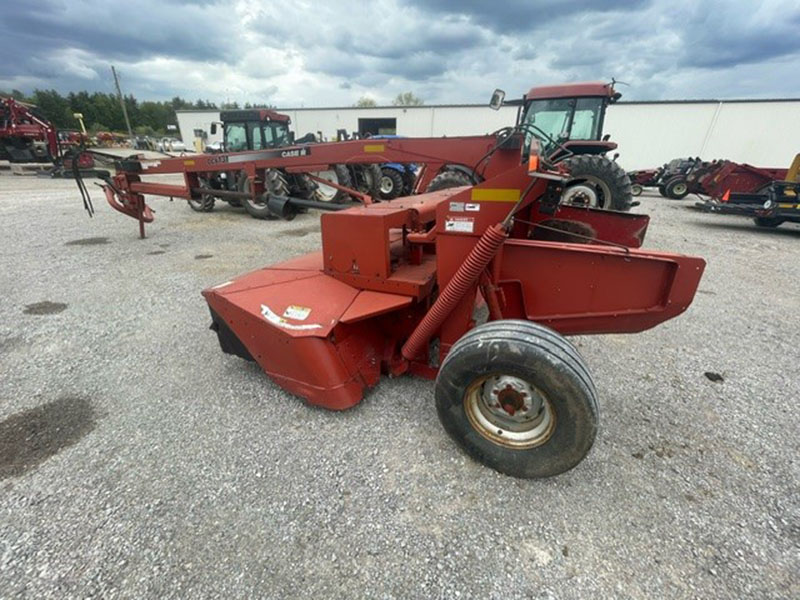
(255, 129)
(566, 119)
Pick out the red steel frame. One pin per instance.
(127, 192)
(326, 325)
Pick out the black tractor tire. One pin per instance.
(336, 196)
(533, 371)
(449, 179)
(391, 184)
(768, 222)
(369, 180)
(636, 189)
(676, 188)
(258, 208)
(205, 203)
(662, 190)
(610, 182)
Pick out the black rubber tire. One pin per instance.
(369, 179)
(606, 170)
(545, 359)
(390, 177)
(769, 222)
(206, 201)
(256, 208)
(676, 188)
(662, 190)
(636, 189)
(342, 178)
(449, 179)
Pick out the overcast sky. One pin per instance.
(330, 53)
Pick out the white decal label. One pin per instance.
(150, 164)
(456, 207)
(472, 207)
(297, 312)
(281, 322)
(459, 224)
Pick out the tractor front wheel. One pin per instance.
(518, 397)
(391, 185)
(597, 182)
(205, 202)
(636, 189)
(676, 188)
(338, 175)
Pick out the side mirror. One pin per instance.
(291, 137)
(213, 129)
(497, 99)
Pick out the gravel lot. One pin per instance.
(136, 460)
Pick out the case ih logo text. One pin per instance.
(293, 153)
(217, 159)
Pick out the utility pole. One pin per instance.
(122, 102)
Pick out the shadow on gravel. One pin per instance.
(298, 232)
(155, 252)
(92, 241)
(30, 437)
(203, 256)
(786, 230)
(44, 308)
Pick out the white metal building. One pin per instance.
(761, 132)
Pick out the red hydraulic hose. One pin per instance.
(454, 291)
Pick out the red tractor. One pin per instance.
(25, 135)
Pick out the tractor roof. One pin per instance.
(256, 114)
(573, 90)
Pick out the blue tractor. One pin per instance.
(397, 179)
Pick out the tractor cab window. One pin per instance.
(586, 121)
(235, 137)
(255, 134)
(561, 119)
(275, 135)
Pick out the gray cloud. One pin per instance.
(334, 52)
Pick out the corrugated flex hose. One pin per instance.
(454, 291)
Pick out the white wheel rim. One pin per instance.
(387, 184)
(326, 193)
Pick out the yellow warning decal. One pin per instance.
(797, 206)
(188, 163)
(494, 195)
(374, 147)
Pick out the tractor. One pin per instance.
(25, 135)
(263, 129)
(567, 121)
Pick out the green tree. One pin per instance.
(365, 101)
(407, 99)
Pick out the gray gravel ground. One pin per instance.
(155, 466)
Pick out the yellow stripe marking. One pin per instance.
(374, 148)
(188, 163)
(494, 195)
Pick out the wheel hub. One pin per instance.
(581, 194)
(510, 411)
(386, 184)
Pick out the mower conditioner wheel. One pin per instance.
(449, 179)
(391, 184)
(636, 189)
(770, 222)
(597, 182)
(518, 397)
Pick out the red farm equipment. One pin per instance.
(769, 196)
(395, 289)
(566, 125)
(261, 129)
(25, 135)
